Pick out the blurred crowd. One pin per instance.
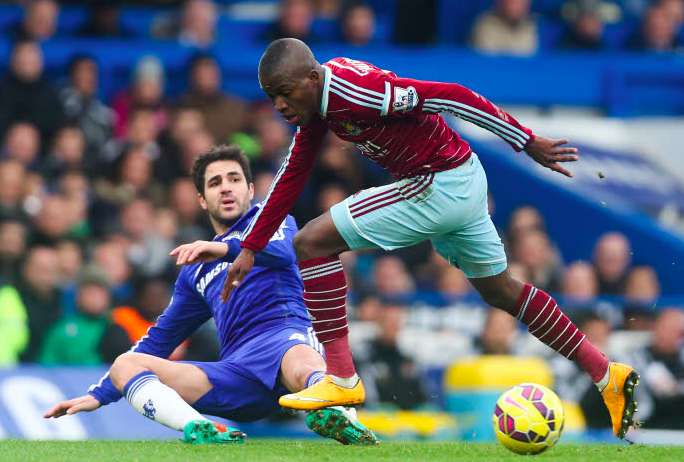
(508, 26)
(94, 193)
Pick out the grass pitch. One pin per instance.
(315, 451)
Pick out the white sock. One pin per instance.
(603, 383)
(158, 402)
(346, 382)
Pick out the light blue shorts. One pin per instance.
(449, 208)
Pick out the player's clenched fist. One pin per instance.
(549, 152)
(85, 403)
(199, 251)
(238, 270)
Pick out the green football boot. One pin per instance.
(208, 432)
(341, 424)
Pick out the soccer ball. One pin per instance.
(528, 418)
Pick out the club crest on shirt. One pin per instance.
(405, 99)
(350, 128)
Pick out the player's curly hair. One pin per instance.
(220, 152)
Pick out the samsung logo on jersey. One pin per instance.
(207, 278)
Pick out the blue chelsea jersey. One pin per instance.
(270, 295)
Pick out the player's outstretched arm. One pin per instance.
(199, 251)
(550, 153)
(85, 403)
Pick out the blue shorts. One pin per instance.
(246, 384)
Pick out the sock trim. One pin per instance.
(331, 330)
(345, 382)
(326, 291)
(603, 383)
(523, 308)
(136, 381)
(314, 378)
(318, 275)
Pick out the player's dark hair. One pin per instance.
(221, 152)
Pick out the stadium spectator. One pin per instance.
(391, 279)
(13, 241)
(151, 297)
(14, 330)
(146, 92)
(223, 114)
(453, 284)
(183, 124)
(572, 385)
(39, 22)
(87, 337)
(38, 288)
(390, 375)
(295, 19)
(22, 143)
(658, 32)
(327, 8)
(508, 28)
(661, 396)
(193, 146)
(54, 220)
(131, 176)
(642, 290)
(110, 255)
(585, 26)
(358, 24)
(104, 21)
(533, 250)
(148, 252)
(71, 261)
(415, 22)
(67, 153)
(522, 220)
(192, 223)
(329, 195)
(580, 285)
(612, 258)
(83, 108)
(499, 334)
(262, 183)
(675, 10)
(273, 138)
(194, 27)
(25, 95)
(12, 192)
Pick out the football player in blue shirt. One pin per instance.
(267, 344)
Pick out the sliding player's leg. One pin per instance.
(303, 366)
(477, 249)
(165, 391)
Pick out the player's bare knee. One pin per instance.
(124, 367)
(305, 244)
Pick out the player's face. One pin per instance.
(227, 195)
(297, 99)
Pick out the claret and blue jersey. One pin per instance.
(266, 309)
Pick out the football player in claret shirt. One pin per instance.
(267, 344)
(440, 194)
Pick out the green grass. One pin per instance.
(305, 451)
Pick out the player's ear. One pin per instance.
(251, 191)
(202, 201)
